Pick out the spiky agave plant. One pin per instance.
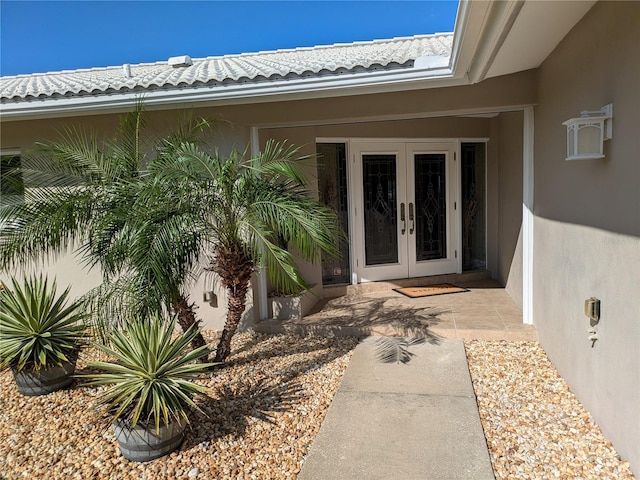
(37, 328)
(151, 380)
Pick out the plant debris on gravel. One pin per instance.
(266, 407)
(534, 426)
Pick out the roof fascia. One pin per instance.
(481, 29)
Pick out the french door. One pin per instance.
(404, 201)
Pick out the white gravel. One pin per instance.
(535, 427)
(269, 402)
(266, 408)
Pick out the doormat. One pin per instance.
(429, 290)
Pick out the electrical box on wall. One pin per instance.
(211, 298)
(592, 309)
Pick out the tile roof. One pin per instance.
(396, 53)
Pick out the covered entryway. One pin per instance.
(419, 198)
(404, 201)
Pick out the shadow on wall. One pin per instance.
(513, 284)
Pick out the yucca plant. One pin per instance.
(38, 328)
(151, 385)
(151, 380)
(39, 334)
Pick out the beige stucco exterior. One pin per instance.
(424, 114)
(587, 221)
(504, 201)
(586, 225)
(503, 133)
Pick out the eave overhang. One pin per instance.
(488, 41)
(237, 94)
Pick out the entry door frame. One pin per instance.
(405, 147)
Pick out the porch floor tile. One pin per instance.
(485, 312)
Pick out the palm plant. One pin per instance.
(82, 196)
(245, 208)
(150, 229)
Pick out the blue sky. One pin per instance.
(42, 36)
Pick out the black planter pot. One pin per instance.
(141, 443)
(32, 382)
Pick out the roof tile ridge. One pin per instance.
(81, 70)
(259, 53)
(377, 41)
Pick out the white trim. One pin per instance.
(261, 274)
(375, 140)
(527, 215)
(332, 140)
(497, 25)
(10, 151)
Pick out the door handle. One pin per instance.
(404, 223)
(411, 219)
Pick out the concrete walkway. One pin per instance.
(412, 421)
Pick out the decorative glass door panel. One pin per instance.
(380, 212)
(430, 206)
(403, 209)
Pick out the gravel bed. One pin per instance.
(267, 405)
(535, 427)
(265, 409)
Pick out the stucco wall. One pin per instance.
(510, 131)
(504, 202)
(342, 116)
(67, 268)
(23, 135)
(587, 221)
(507, 92)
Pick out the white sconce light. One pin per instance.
(587, 133)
